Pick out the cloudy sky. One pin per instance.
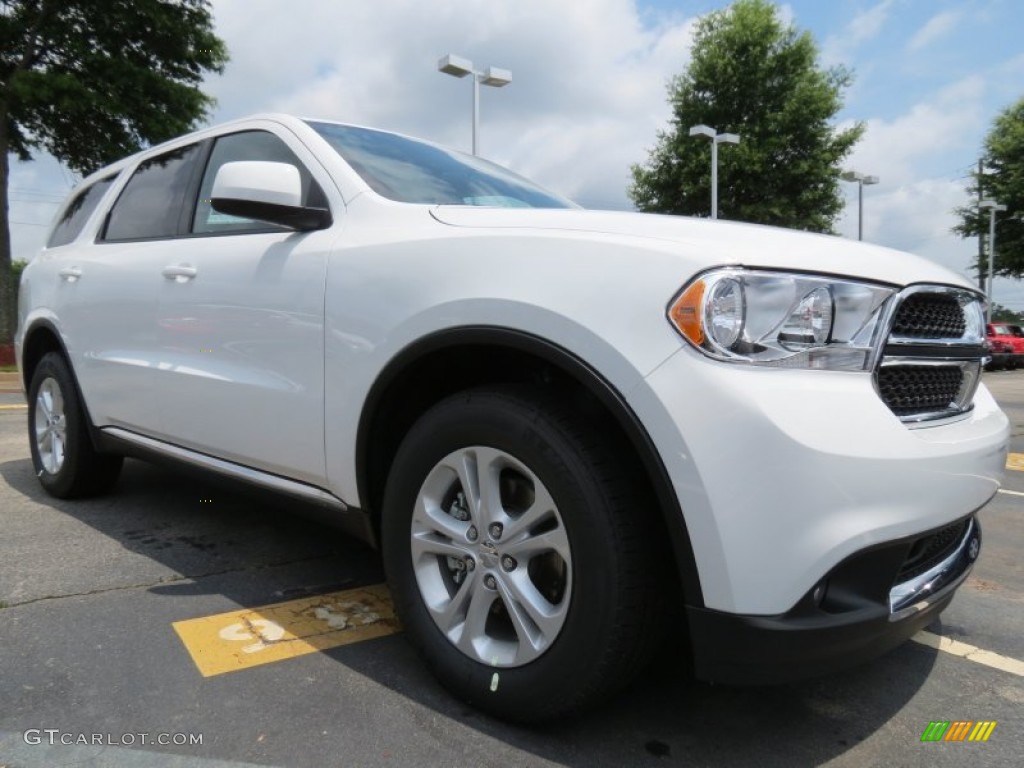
(588, 92)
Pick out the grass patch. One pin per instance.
(8, 369)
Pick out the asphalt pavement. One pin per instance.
(93, 595)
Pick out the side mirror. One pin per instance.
(264, 191)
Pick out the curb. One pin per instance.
(10, 383)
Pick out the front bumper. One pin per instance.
(781, 475)
(854, 614)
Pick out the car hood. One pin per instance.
(720, 242)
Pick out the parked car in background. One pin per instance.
(562, 427)
(1002, 333)
(1000, 355)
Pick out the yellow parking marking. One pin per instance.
(20, 407)
(253, 636)
(971, 653)
(1015, 461)
(1011, 493)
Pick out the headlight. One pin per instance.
(783, 320)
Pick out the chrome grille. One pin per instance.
(930, 364)
(910, 390)
(930, 316)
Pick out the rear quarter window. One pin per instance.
(78, 211)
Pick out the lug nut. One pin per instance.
(489, 582)
(472, 534)
(495, 531)
(508, 562)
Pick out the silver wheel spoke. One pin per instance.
(534, 618)
(531, 546)
(465, 466)
(45, 403)
(452, 616)
(473, 628)
(426, 543)
(58, 450)
(543, 507)
(432, 519)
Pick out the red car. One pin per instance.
(997, 333)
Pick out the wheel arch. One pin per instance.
(41, 338)
(422, 374)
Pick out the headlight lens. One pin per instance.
(780, 319)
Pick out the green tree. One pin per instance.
(1002, 179)
(753, 75)
(1001, 314)
(90, 81)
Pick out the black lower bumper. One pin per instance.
(853, 615)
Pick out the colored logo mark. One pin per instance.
(958, 730)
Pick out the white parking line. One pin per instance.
(1011, 493)
(971, 653)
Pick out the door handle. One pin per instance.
(71, 274)
(179, 272)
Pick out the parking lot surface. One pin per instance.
(176, 623)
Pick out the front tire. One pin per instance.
(521, 558)
(65, 461)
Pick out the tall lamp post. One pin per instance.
(861, 180)
(716, 139)
(456, 66)
(993, 209)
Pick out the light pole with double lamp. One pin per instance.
(993, 208)
(456, 66)
(716, 139)
(861, 180)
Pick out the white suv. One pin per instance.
(559, 425)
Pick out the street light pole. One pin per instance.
(993, 209)
(716, 139)
(456, 66)
(861, 180)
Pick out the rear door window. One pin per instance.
(150, 205)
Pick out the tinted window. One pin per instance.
(78, 212)
(411, 171)
(248, 145)
(150, 204)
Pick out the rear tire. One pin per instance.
(560, 607)
(65, 461)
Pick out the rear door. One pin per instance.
(112, 286)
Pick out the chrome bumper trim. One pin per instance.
(937, 582)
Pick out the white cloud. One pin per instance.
(864, 27)
(935, 28)
(895, 149)
(911, 209)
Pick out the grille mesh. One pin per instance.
(909, 390)
(929, 551)
(930, 316)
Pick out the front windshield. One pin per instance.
(411, 171)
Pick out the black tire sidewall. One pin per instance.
(566, 670)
